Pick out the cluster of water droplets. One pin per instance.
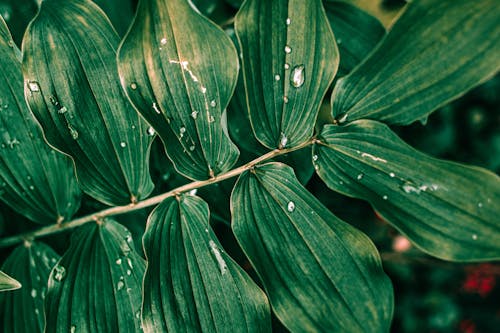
(218, 256)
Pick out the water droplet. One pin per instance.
(37, 312)
(123, 144)
(5, 11)
(211, 119)
(118, 261)
(72, 329)
(410, 188)
(129, 272)
(218, 257)
(360, 176)
(474, 237)
(288, 21)
(287, 66)
(288, 49)
(194, 114)
(155, 107)
(33, 293)
(133, 86)
(150, 131)
(138, 314)
(62, 110)
(163, 41)
(191, 148)
(480, 204)
(291, 206)
(120, 285)
(277, 77)
(339, 41)
(283, 141)
(392, 174)
(129, 262)
(203, 89)
(33, 86)
(298, 76)
(32, 187)
(73, 132)
(385, 197)
(59, 273)
(182, 130)
(13, 143)
(285, 99)
(213, 103)
(315, 158)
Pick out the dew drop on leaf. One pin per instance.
(59, 273)
(123, 144)
(194, 114)
(33, 86)
(33, 293)
(73, 132)
(283, 141)
(72, 329)
(297, 77)
(288, 21)
(133, 86)
(315, 158)
(291, 206)
(119, 261)
(360, 176)
(288, 49)
(213, 103)
(120, 285)
(277, 77)
(287, 66)
(163, 41)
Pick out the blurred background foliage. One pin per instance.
(431, 295)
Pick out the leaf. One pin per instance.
(23, 310)
(289, 61)
(73, 89)
(96, 286)
(8, 283)
(357, 33)
(180, 70)
(191, 284)
(446, 209)
(435, 52)
(35, 180)
(321, 274)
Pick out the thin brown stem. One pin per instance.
(99, 216)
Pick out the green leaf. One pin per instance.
(321, 274)
(191, 284)
(7, 283)
(73, 88)
(289, 61)
(96, 286)
(446, 209)
(179, 70)
(356, 31)
(435, 52)
(35, 180)
(23, 310)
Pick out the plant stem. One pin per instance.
(99, 216)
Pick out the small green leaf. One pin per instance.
(179, 70)
(23, 310)
(35, 180)
(356, 31)
(435, 52)
(289, 61)
(191, 284)
(96, 286)
(7, 283)
(446, 209)
(321, 274)
(73, 88)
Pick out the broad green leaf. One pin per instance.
(356, 31)
(435, 52)
(289, 60)
(191, 284)
(96, 286)
(72, 87)
(35, 180)
(321, 274)
(23, 310)
(179, 70)
(446, 209)
(7, 283)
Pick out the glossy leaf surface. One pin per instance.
(96, 286)
(35, 180)
(179, 70)
(357, 33)
(315, 268)
(191, 284)
(7, 283)
(435, 52)
(22, 311)
(289, 61)
(72, 87)
(447, 209)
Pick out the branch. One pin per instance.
(98, 216)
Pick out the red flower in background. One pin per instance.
(480, 279)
